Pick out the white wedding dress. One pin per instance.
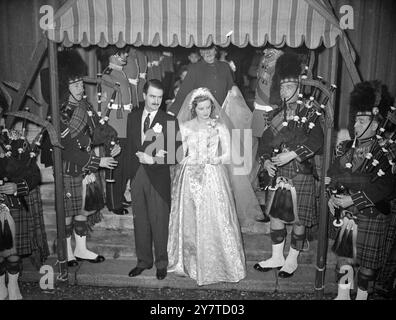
(204, 234)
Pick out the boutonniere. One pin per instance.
(157, 128)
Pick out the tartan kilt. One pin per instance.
(305, 189)
(30, 237)
(73, 201)
(39, 237)
(387, 273)
(370, 242)
(23, 221)
(72, 195)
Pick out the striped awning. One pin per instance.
(194, 22)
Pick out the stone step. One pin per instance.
(117, 244)
(114, 273)
(109, 221)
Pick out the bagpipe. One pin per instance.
(344, 221)
(104, 134)
(334, 191)
(280, 196)
(382, 154)
(15, 143)
(313, 104)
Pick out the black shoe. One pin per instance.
(136, 271)
(120, 211)
(285, 275)
(161, 274)
(261, 269)
(72, 263)
(98, 259)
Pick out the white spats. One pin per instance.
(3, 288)
(70, 255)
(81, 250)
(13, 287)
(277, 260)
(343, 292)
(291, 261)
(361, 294)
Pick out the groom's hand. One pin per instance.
(144, 158)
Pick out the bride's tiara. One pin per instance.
(200, 92)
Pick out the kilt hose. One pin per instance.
(306, 194)
(370, 240)
(30, 236)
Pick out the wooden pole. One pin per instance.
(31, 73)
(321, 256)
(59, 205)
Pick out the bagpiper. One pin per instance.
(286, 150)
(79, 126)
(361, 185)
(22, 230)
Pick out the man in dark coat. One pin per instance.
(151, 148)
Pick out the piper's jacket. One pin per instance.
(292, 138)
(23, 172)
(76, 138)
(369, 197)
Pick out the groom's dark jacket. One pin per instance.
(168, 139)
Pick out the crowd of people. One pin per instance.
(165, 132)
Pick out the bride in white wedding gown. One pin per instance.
(204, 235)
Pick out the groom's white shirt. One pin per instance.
(152, 116)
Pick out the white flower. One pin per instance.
(157, 128)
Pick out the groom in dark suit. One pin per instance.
(152, 144)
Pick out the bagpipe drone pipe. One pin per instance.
(104, 134)
(15, 143)
(313, 104)
(382, 154)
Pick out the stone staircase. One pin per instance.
(113, 237)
